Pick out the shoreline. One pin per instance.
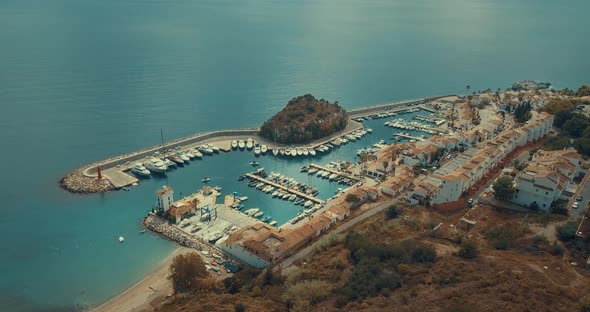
(139, 296)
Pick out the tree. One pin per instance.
(185, 272)
(503, 188)
(392, 212)
(352, 198)
(566, 232)
(468, 250)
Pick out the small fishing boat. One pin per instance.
(121, 239)
(273, 223)
(266, 219)
(254, 163)
(205, 180)
(258, 214)
(142, 231)
(241, 178)
(243, 198)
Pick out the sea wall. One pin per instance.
(162, 227)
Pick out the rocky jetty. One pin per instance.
(529, 85)
(162, 227)
(76, 182)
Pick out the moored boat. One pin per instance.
(234, 144)
(140, 170)
(242, 145)
(263, 149)
(249, 143)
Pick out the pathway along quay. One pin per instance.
(113, 174)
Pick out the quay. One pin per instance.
(339, 173)
(407, 136)
(284, 188)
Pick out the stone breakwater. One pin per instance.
(76, 182)
(162, 227)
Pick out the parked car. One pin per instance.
(580, 198)
(576, 205)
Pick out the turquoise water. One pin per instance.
(81, 80)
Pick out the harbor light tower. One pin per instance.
(165, 198)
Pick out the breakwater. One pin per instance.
(162, 227)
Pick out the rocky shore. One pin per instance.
(162, 227)
(76, 182)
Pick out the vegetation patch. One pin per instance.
(303, 120)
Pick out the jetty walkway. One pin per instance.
(339, 173)
(284, 188)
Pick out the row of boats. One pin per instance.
(372, 149)
(388, 114)
(257, 214)
(409, 125)
(160, 165)
(329, 175)
(299, 151)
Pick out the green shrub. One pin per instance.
(468, 250)
(392, 212)
(566, 232)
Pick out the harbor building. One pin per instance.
(261, 245)
(165, 198)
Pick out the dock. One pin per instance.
(119, 178)
(339, 173)
(284, 188)
(409, 137)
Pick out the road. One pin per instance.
(584, 191)
(344, 227)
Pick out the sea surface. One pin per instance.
(82, 80)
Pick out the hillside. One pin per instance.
(303, 120)
(401, 264)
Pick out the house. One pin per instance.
(546, 178)
(180, 209)
(400, 182)
(338, 212)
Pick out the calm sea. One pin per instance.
(81, 80)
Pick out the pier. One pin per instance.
(119, 178)
(284, 188)
(409, 137)
(339, 173)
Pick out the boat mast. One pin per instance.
(162, 136)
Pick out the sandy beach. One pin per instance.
(139, 296)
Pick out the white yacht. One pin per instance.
(249, 143)
(184, 157)
(299, 152)
(205, 150)
(275, 152)
(234, 144)
(197, 154)
(214, 148)
(190, 155)
(169, 163)
(156, 165)
(257, 150)
(312, 152)
(241, 144)
(263, 149)
(305, 152)
(140, 170)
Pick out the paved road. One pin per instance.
(584, 191)
(342, 228)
